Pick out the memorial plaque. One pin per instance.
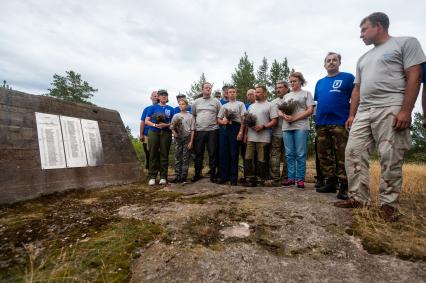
(92, 142)
(73, 142)
(50, 142)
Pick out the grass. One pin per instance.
(407, 237)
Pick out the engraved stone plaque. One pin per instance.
(73, 142)
(50, 142)
(93, 143)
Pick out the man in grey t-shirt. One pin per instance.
(277, 145)
(205, 110)
(386, 87)
(259, 137)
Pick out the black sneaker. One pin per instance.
(343, 192)
(327, 188)
(196, 178)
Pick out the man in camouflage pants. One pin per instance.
(277, 144)
(333, 94)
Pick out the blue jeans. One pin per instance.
(296, 145)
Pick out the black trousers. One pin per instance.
(203, 138)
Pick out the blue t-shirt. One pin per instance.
(247, 104)
(177, 109)
(143, 116)
(223, 101)
(154, 109)
(333, 95)
(424, 73)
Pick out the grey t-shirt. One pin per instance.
(264, 112)
(277, 130)
(380, 71)
(188, 123)
(235, 106)
(304, 99)
(205, 111)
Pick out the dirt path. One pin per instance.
(219, 233)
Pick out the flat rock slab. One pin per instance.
(222, 233)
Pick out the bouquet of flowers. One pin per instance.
(159, 117)
(250, 120)
(230, 115)
(177, 125)
(288, 107)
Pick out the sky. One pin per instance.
(127, 49)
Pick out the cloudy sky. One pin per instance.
(126, 49)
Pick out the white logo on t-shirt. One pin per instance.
(336, 85)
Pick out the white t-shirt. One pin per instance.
(277, 130)
(235, 106)
(188, 123)
(304, 99)
(264, 112)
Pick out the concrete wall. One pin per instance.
(21, 176)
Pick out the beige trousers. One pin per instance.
(372, 128)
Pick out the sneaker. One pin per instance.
(151, 182)
(163, 182)
(389, 213)
(287, 183)
(349, 203)
(300, 184)
(327, 188)
(196, 178)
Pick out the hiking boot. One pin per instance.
(287, 183)
(330, 187)
(319, 183)
(343, 192)
(389, 213)
(300, 184)
(349, 203)
(196, 178)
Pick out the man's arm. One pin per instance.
(424, 104)
(354, 106)
(141, 130)
(414, 77)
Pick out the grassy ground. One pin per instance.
(407, 237)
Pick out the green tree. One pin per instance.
(196, 88)
(262, 74)
(279, 71)
(5, 85)
(71, 88)
(243, 78)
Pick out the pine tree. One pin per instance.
(243, 78)
(262, 74)
(196, 88)
(279, 71)
(71, 88)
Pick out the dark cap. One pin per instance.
(162, 92)
(217, 94)
(180, 95)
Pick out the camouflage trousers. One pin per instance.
(276, 156)
(331, 144)
(182, 157)
(372, 128)
(256, 152)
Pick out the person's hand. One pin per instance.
(280, 114)
(245, 139)
(402, 120)
(348, 123)
(288, 118)
(189, 145)
(240, 136)
(259, 128)
(162, 125)
(142, 138)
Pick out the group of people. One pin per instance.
(353, 116)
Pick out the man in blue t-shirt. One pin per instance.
(333, 94)
(143, 129)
